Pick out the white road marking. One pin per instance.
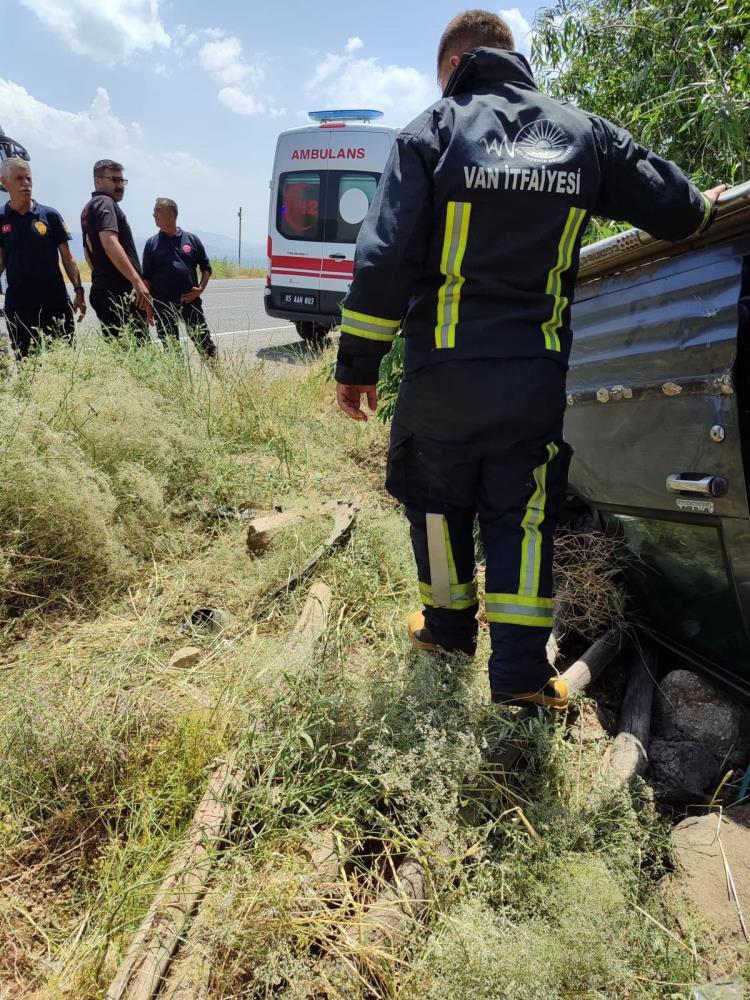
(264, 329)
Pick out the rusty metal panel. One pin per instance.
(651, 375)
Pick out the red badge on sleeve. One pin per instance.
(7, 228)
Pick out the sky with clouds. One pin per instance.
(191, 96)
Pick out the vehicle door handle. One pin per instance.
(706, 486)
(337, 256)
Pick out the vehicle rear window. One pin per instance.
(298, 214)
(349, 195)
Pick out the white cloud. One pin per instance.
(522, 31)
(65, 144)
(345, 81)
(104, 30)
(240, 102)
(222, 57)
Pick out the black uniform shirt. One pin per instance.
(101, 213)
(170, 263)
(32, 257)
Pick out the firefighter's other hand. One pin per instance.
(349, 397)
(79, 304)
(714, 192)
(142, 296)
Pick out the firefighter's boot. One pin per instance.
(422, 638)
(553, 694)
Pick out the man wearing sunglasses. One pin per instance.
(119, 296)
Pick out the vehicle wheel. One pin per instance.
(314, 334)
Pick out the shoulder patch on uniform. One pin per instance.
(41, 227)
(187, 248)
(7, 228)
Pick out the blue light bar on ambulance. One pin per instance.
(357, 115)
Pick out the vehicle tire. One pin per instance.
(314, 334)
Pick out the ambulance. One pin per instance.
(324, 179)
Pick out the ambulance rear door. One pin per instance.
(296, 223)
(358, 157)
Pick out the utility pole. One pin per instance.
(239, 245)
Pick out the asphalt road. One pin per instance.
(238, 321)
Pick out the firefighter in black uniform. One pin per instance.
(471, 248)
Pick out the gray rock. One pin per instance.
(691, 709)
(683, 765)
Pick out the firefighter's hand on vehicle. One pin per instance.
(713, 193)
(192, 295)
(349, 397)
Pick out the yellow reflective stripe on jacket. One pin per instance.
(462, 595)
(531, 546)
(554, 278)
(454, 247)
(369, 327)
(516, 609)
(707, 209)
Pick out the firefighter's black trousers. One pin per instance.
(483, 440)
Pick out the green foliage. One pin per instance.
(391, 373)
(676, 75)
(224, 267)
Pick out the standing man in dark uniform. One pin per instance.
(471, 247)
(33, 240)
(118, 295)
(170, 263)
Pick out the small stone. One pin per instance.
(188, 656)
(671, 389)
(724, 989)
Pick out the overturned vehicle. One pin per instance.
(659, 416)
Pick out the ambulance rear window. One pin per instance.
(298, 210)
(351, 200)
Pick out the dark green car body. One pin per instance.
(659, 416)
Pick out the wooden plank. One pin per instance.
(630, 751)
(342, 522)
(161, 933)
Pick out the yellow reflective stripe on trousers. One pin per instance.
(516, 609)
(462, 595)
(554, 278)
(369, 327)
(454, 247)
(437, 554)
(531, 546)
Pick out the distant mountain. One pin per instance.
(216, 244)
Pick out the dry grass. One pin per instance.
(105, 747)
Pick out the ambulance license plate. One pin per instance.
(298, 299)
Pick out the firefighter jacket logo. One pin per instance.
(528, 163)
(540, 142)
(41, 227)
